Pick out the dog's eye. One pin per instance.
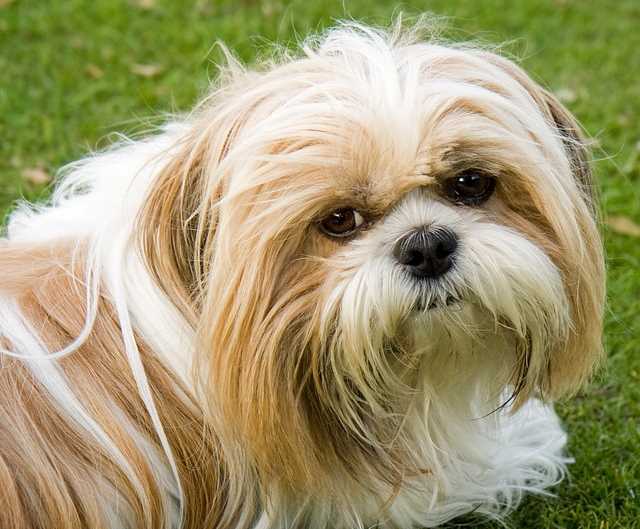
(341, 222)
(470, 187)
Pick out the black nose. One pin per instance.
(427, 252)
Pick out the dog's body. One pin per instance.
(188, 342)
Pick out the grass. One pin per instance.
(69, 79)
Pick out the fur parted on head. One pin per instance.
(338, 386)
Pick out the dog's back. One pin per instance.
(78, 446)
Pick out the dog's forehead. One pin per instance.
(376, 138)
(365, 131)
(375, 166)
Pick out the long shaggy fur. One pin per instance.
(183, 348)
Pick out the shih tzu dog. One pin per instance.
(342, 293)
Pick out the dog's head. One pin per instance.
(371, 228)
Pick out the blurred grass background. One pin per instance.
(73, 71)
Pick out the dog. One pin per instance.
(343, 292)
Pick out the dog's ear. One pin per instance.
(579, 255)
(166, 224)
(575, 144)
(583, 268)
(177, 224)
(582, 265)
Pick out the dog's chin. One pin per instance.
(447, 302)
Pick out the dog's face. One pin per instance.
(371, 231)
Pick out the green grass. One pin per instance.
(53, 109)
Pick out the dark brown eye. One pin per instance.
(470, 187)
(341, 222)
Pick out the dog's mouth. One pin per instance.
(425, 305)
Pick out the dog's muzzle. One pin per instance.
(427, 252)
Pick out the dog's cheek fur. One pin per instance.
(282, 397)
(575, 347)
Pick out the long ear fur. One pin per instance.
(168, 226)
(580, 257)
(177, 226)
(587, 288)
(178, 236)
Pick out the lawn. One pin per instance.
(73, 72)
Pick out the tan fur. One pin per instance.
(48, 469)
